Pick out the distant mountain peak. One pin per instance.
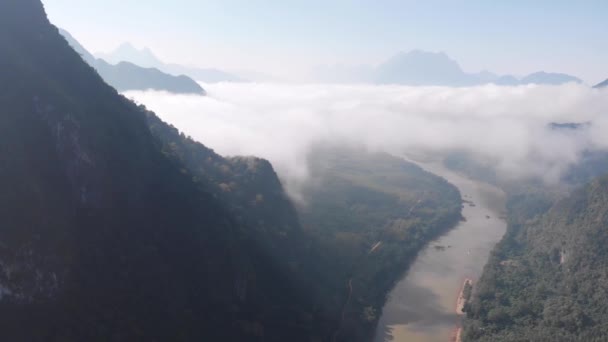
(145, 57)
(602, 84)
(127, 52)
(124, 75)
(418, 67)
(127, 47)
(552, 78)
(417, 53)
(424, 68)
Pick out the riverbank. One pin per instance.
(426, 304)
(457, 337)
(462, 296)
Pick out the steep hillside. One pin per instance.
(546, 281)
(117, 227)
(107, 237)
(247, 186)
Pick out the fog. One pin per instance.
(506, 127)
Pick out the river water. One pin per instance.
(422, 305)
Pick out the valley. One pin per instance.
(164, 197)
(423, 305)
(371, 214)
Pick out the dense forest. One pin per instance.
(116, 226)
(105, 236)
(545, 280)
(365, 217)
(371, 214)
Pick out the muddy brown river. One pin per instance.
(422, 307)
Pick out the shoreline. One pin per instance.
(462, 301)
(456, 335)
(471, 241)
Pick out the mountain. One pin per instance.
(146, 58)
(602, 84)
(506, 80)
(486, 76)
(110, 233)
(542, 77)
(128, 53)
(75, 44)
(115, 226)
(546, 281)
(422, 68)
(127, 76)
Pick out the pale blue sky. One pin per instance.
(290, 37)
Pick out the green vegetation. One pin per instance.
(372, 213)
(467, 291)
(365, 216)
(106, 235)
(545, 281)
(117, 227)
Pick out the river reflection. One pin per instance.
(422, 306)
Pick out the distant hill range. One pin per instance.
(602, 85)
(128, 76)
(422, 68)
(146, 58)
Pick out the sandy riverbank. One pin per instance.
(457, 336)
(462, 301)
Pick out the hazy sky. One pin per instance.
(289, 37)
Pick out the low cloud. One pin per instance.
(504, 126)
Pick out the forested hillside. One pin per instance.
(366, 216)
(106, 236)
(117, 227)
(546, 281)
(371, 214)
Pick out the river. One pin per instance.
(422, 305)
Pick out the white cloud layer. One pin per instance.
(504, 126)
